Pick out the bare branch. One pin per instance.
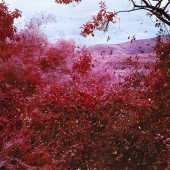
(131, 10)
(166, 5)
(156, 10)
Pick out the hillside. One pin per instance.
(117, 60)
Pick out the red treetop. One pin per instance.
(6, 22)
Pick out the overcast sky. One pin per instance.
(68, 20)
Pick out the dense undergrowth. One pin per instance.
(55, 115)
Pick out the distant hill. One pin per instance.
(118, 60)
(130, 48)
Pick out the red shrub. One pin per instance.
(84, 64)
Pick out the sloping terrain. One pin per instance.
(131, 48)
(118, 60)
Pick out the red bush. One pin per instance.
(84, 64)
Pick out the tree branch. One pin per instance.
(166, 5)
(156, 9)
(131, 10)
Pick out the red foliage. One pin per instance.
(54, 58)
(6, 22)
(99, 22)
(84, 64)
(7, 29)
(66, 1)
(74, 125)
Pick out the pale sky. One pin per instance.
(69, 19)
